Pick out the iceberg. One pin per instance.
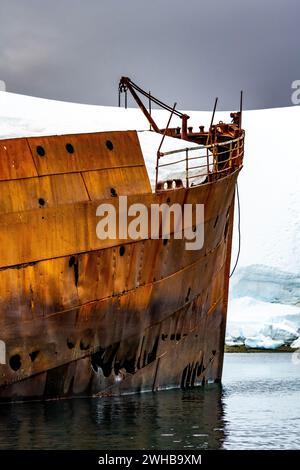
(251, 321)
(263, 342)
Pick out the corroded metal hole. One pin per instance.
(94, 364)
(84, 345)
(40, 151)
(113, 192)
(72, 261)
(199, 368)
(188, 295)
(15, 362)
(70, 344)
(165, 241)
(42, 201)
(122, 250)
(33, 355)
(109, 145)
(97, 360)
(70, 148)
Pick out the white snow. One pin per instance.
(265, 289)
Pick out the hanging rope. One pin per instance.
(239, 230)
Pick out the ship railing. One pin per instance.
(212, 162)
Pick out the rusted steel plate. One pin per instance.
(35, 193)
(73, 226)
(136, 364)
(70, 335)
(59, 284)
(86, 152)
(36, 290)
(192, 356)
(102, 184)
(16, 160)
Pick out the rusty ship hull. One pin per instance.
(80, 316)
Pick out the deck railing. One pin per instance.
(212, 162)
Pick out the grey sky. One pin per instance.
(184, 50)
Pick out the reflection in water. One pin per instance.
(170, 420)
(258, 408)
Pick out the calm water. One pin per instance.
(257, 407)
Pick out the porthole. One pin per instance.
(109, 145)
(70, 344)
(84, 346)
(70, 148)
(40, 151)
(15, 362)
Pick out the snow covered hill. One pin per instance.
(264, 304)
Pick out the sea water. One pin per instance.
(257, 407)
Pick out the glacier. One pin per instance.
(264, 299)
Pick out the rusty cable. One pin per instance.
(239, 231)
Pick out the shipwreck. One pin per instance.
(83, 316)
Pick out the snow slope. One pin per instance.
(266, 283)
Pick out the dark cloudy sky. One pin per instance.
(184, 50)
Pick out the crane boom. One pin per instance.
(127, 84)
